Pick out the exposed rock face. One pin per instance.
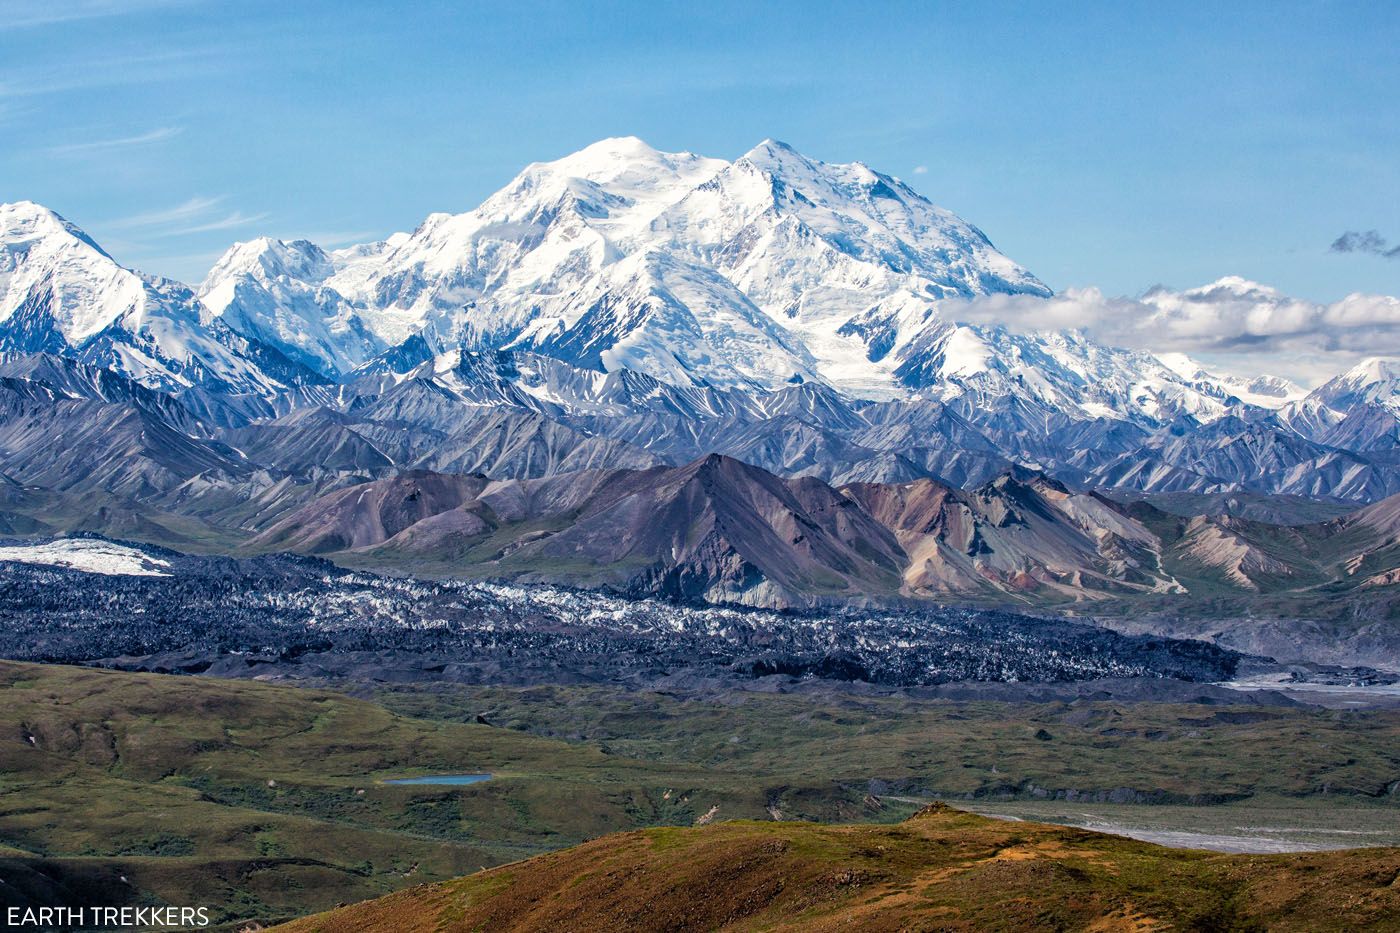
(723, 531)
(370, 513)
(1014, 536)
(716, 530)
(1213, 543)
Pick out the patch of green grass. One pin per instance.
(204, 775)
(271, 801)
(1164, 752)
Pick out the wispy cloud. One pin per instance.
(195, 215)
(11, 111)
(121, 142)
(921, 170)
(1365, 241)
(25, 14)
(228, 222)
(111, 71)
(184, 213)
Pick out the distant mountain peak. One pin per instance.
(27, 220)
(1374, 381)
(695, 270)
(62, 293)
(1374, 369)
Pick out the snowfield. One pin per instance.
(88, 556)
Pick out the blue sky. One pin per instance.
(1120, 145)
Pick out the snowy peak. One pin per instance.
(61, 284)
(798, 182)
(1374, 381)
(1055, 375)
(527, 257)
(1236, 288)
(615, 186)
(62, 293)
(772, 268)
(1375, 371)
(269, 258)
(273, 291)
(1260, 391)
(26, 221)
(627, 165)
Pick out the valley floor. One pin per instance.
(1254, 826)
(268, 802)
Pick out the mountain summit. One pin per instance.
(771, 269)
(623, 307)
(62, 293)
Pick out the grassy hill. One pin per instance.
(942, 869)
(269, 802)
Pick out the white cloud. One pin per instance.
(182, 213)
(921, 170)
(121, 142)
(1238, 325)
(228, 222)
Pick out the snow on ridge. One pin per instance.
(696, 270)
(88, 556)
(771, 270)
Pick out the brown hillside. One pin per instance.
(940, 870)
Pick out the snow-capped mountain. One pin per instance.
(1060, 373)
(60, 292)
(272, 291)
(1357, 410)
(645, 307)
(772, 269)
(1375, 381)
(1271, 392)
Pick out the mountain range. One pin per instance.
(723, 531)
(759, 350)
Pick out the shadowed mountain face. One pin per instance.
(82, 445)
(716, 529)
(371, 513)
(724, 531)
(498, 467)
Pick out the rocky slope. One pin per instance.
(539, 490)
(716, 530)
(723, 531)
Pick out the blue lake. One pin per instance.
(443, 779)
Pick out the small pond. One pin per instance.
(443, 779)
